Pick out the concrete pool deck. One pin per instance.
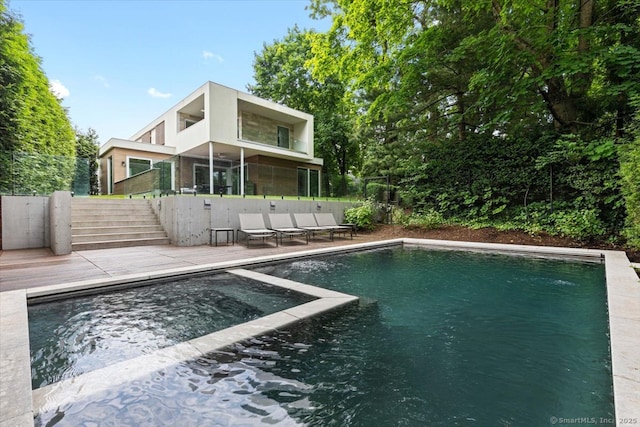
(36, 273)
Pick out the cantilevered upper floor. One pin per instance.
(231, 139)
(215, 113)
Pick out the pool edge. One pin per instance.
(623, 298)
(623, 293)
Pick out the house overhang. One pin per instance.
(115, 143)
(233, 152)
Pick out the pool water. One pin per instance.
(73, 336)
(439, 338)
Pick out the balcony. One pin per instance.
(257, 128)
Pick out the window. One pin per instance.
(308, 182)
(314, 183)
(137, 166)
(191, 113)
(303, 181)
(110, 175)
(283, 137)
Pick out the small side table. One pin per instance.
(354, 227)
(214, 235)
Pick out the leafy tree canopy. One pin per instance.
(282, 75)
(484, 107)
(32, 119)
(87, 147)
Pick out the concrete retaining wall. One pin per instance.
(45, 222)
(187, 219)
(25, 222)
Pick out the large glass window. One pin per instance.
(137, 165)
(110, 175)
(314, 183)
(222, 178)
(283, 137)
(308, 182)
(303, 180)
(201, 177)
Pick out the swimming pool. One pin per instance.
(516, 347)
(72, 336)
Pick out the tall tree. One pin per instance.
(33, 124)
(87, 147)
(630, 177)
(282, 74)
(536, 86)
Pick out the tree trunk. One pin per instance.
(560, 104)
(462, 125)
(585, 16)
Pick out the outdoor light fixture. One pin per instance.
(318, 206)
(272, 205)
(124, 163)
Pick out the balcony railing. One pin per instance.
(176, 175)
(297, 146)
(42, 174)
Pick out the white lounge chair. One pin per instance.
(308, 222)
(253, 227)
(283, 225)
(328, 220)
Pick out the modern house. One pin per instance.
(217, 140)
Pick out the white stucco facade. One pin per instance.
(217, 124)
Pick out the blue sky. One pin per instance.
(119, 64)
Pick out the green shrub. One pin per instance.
(565, 220)
(363, 216)
(630, 186)
(427, 220)
(578, 224)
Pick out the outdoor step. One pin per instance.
(121, 215)
(111, 222)
(94, 201)
(119, 244)
(106, 207)
(123, 235)
(101, 229)
(111, 209)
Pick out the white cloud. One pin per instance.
(210, 55)
(102, 80)
(58, 89)
(157, 94)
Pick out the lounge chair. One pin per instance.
(328, 220)
(252, 226)
(283, 225)
(308, 222)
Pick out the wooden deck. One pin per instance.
(29, 268)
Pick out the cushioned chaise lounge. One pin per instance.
(308, 222)
(252, 226)
(328, 220)
(283, 225)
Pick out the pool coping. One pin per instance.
(52, 396)
(18, 401)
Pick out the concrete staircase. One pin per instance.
(114, 223)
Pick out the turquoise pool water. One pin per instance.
(73, 336)
(439, 338)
